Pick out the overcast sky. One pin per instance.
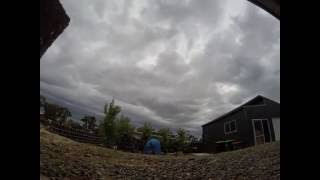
(174, 63)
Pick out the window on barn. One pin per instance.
(230, 127)
(227, 127)
(233, 126)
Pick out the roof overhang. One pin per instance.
(271, 6)
(237, 109)
(53, 21)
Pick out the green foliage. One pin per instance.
(89, 122)
(182, 139)
(124, 127)
(101, 129)
(57, 113)
(62, 115)
(51, 111)
(116, 130)
(125, 131)
(146, 131)
(109, 125)
(181, 136)
(165, 140)
(119, 130)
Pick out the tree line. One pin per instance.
(117, 129)
(63, 116)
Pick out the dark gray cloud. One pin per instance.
(172, 63)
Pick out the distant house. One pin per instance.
(255, 122)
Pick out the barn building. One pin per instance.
(255, 122)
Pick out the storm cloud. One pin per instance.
(171, 63)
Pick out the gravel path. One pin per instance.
(61, 158)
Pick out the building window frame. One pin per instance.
(228, 123)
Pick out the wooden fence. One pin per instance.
(75, 134)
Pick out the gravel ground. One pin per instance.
(62, 158)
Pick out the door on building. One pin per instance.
(261, 131)
(276, 128)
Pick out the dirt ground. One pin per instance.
(62, 158)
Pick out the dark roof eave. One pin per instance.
(270, 6)
(224, 115)
(235, 110)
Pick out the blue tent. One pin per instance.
(152, 146)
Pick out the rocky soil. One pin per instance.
(62, 158)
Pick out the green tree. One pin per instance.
(62, 115)
(89, 122)
(124, 127)
(146, 131)
(51, 111)
(57, 113)
(109, 126)
(181, 139)
(124, 133)
(165, 134)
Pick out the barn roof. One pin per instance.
(251, 102)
